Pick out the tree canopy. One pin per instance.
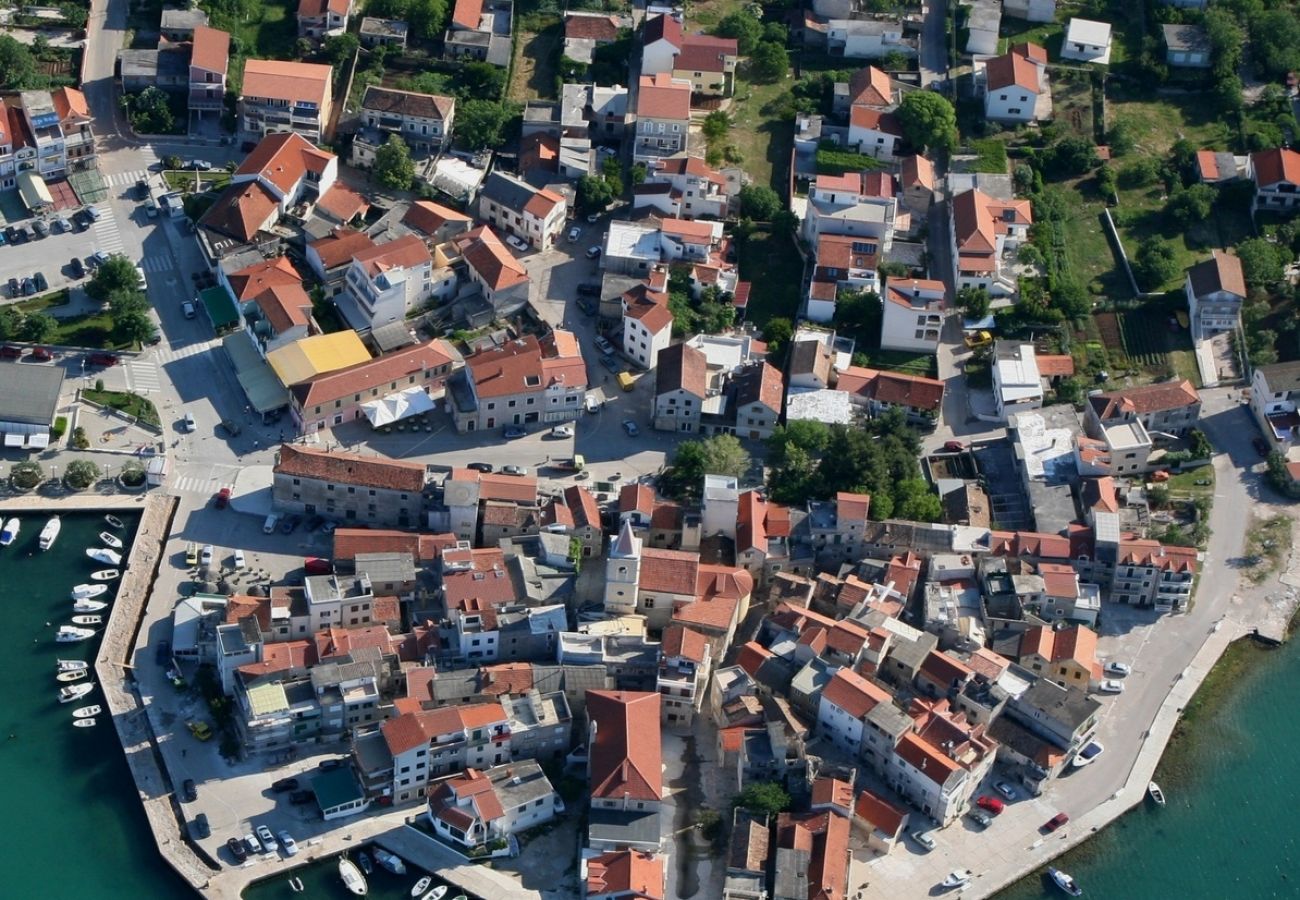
(149, 111)
(769, 62)
(394, 168)
(928, 120)
(764, 798)
(1154, 263)
(759, 202)
(745, 27)
(17, 65)
(482, 123)
(114, 276)
(973, 301)
(1261, 261)
(721, 454)
(1275, 42)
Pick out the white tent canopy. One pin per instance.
(411, 402)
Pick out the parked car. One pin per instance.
(268, 840)
(41, 229)
(201, 828)
(630, 427)
(610, 361)
(141, 189)
(62, 224)
(1118, 668)
(284, 784)
(588, 289)
(575, 232)
(923, 839)
(593, 252)
(562, 431)
(162, 653)
(992, 804)
(514, 470)
(188, 309)
(98, 258)
(189, 792)
(1111, 686)
(22, 235)
(288, 844)
(191, 554)
(41, 283)
(188, 422)
(297, 798)
(237, 849)
(1055, 822)
(205, 558)
(1261, 446)
(14, 287)
(593, 218)
(103, 359)
(1006, 790)
(11, 233)
(223, 498)
(587, 305)
(253, 844)
(953, 446)
(290, 523)
(92, 213)
(982, 819)
(485, 468)
(40, 354)
(8, 351)
(326, 764)
(239, 559)
(514, 431)
(199, 165)
(270, 523)
(232, 427)
(603, 345)
(518, 243)
(592, 404)
(29, 287)
(77, 268)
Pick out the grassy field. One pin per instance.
(774, 267)
(184, 181)
(1072, 103)
(1185, 483)
(706, 14)
(532, 77)
(131, 404)
(1157, 123)
(764, 142)
(94, 330)
(923, 364)
(1267, 544)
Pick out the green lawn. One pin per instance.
(773, 265)
(131, 404)
(184, 181)
(1156, 123)
(1072, 103)
(899, 361)
(706, 14)
(93, 331)
(1046, 34)
(537, 55)
(764, 142)
(1185, 483)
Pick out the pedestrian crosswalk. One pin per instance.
(201, 484)
(172, 353)
(156, 264)
(142, 376)
(107, 236)
(125, 179)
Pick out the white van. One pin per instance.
(140, 281)
(268, 527)
(188, 308)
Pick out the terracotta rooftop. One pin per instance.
(626, 759)
(681, 367)
(1279, 166)
(339, 246)
(483, 251)
(854, 694)
(661, 97)
(1221, 272)
(427, 216)
(686, 643)
(626, 874)
(377, 377)
(274, 79)
(282, 159)
(210, 49)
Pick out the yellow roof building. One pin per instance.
(316, 355)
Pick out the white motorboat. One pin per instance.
(50, 533)
(1157, 796)
(104, 555)
(110, 540)
(113, 521)
(72, 665)
(74, 675)
(353, 880)
(295, 884)
(89, 606)
(958, 878)
(1065, 882)
(70, 635)
(105, 575)
(390, 861)
(9, 533)
(421, 886)
(87, 712)
(74, 692)
(84, 723)
(86, 591)
(87, 620)
(437, 893)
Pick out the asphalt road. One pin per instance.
(933, 50)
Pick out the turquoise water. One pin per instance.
(1228, 828)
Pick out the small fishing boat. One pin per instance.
(104, 555)
(437, 893)
(9, 533)
(86, 591)
(87, 620)
(89, 606)
(295, 884)
(353, 880)
(105, 575)
(1157, 796)
(69, 635)
(74, 675)
(958, 878)
(84, 723)
(1063, 881)
(87, 712)
(421, 886)
(113, 521)
(72, 665)
(366, 865)
(390, 861)
(110, 540)
(74, 692)
(50, 533)
(460, 897)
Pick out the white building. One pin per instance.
(844, 263)
(866, 38)
(518, 208)
(1031, 10)
(1216, 290)
(388, 281)
(1013, 83)
(1017, 383)
(984, 231)
(472, 808)
(647, 323)
(982, 24)
(844, 703)
(661, 41)
(1276, 174)
(914, 310)
(1087, 41)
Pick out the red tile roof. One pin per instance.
(483, 251)
(685, 643)
(751, 656)
(1015, 68)
(210, 49)
(879, 813)
(927, 758)
(1059, 580)
(827, 790)
(428, 217)
(339, 246)
(343, 203)
(467, 14)
(252, 280)
(854, 694)
(875, 120)
(660, 97)
(406, 252)
(704, 53)
(581, 26)
(1221, 272)
(241, 211)
(871, 87)
(403, 734)
(662, 27)
(1144, 400)
(625, 874)
(919, 171)
(626, 760)
(681, 367)
(376, 377)
(1279, 166)
(669, 571)
(582, 502)
(285, 307)
(1156, 555)
(284, 158)
(350, 468)
(636, 498)
(515, 368)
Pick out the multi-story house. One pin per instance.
(476, 809)
(874, 132)
(422, 121)
(209, 63)
(509, 634)
(1063, 716)
(681, 386)
(1216, 291)
(1170, 408)
(480, 29)
(275, 307)
(347, 394)
(866, 38)
(683, 675)
(1015, 84)
(348, 487)
(1148, 573)
(437, 223)
(41, 116)
(835, 527)
(683, 187)
(407, 752)
(984, 230)
(377, 32)
(647, 323)
(623, 875)
(756, 392)
(624, 770)
(286, 96)
(330, 257)
(914, 310)
(920, 398)
(386, 282)
(663, 114)
(844, 263)
(1068, 656)
(861, 205)
(661, 41)
(1276, 174)
(845, 702)
(516, 207)
(494, 270)
(1275, 401)
(319, 19)
(708, 63)
(521, 383)
(1087, 41)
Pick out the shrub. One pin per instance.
(79, 439)
(81, 474)
(26, 475)
(60, 427)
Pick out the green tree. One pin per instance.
(777, 333)
(858, 312)
(26, 475)
(427, 18)
(1261, 261)
(759, 202)
(80, 474)
(394, 168)
(974, 302)
(685, 320)
(482, 123)
(1191, 205)
(1226, 40)
(73, 14)
(716, 125)
(39, 328)
(134, 328)
(1070, 157)
(11, 322)
(928, 120)
(150, 111)
(478, 80)
(914, 501)
(718, 455)
(117, 274)
(1274, 42)
(1106, 182)
(764, 798)
(17, 65)
(744, 27)
(125, 302)
(1154, 264)
(339, 48)
(594, 193)
(1141, 172)
(1121, 139)
(770, 61)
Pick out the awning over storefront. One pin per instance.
(411, 402)
(261, 387)
(33, 190)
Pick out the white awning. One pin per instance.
(411, 402)
(14, 440)
(38, 441)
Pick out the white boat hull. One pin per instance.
(69, 635)
(390, 861)
(113, 521)
(106, 575)
(84, 723)
(87, 620)
(110, 540)
(437, 893)
(421, 886)
(74, 692)
(74, 675)
(50, 533)
(104, 555)
(87, 712)
(72, 665)
(9, 533)
(87, 591)
(353, 880)
(89, 606)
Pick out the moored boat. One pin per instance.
(86, 591)
(390, 861)
(113, 521)
(104, 555)
(958, 878)
(110, 540)
(87, 620)
(105, 575)
(353, 880)
(363, 858)
(75, 692)
(74, 675)
(87, 712)
(50, 533)
(72, 665)
(421, 886)
(89, 606)
(68, 634)
(9, 533)
(1157, 796)
(295, 884)
(84, 723)
(437, 893)
(1063, 881)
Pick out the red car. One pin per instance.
(102, 359)
(41, 354)
(9, 352)
(991, 804)
(954, 446)
(314, 565)
(223, 498)
(1055, 822)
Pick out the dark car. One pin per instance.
(10, 352)
(201, 828)
(297, 798)
(162, 653)
(954, 446)
(1055, 822)
(1261, 446)
(515, 431)
(21, 235)
(232, 428)
(587, 306)
(29, 287)
(315, 522)
(485, 468)
(40, 354)
(290, 523)
(11, 233)
(588, 289)
(102, 359)
(609, 361)
(189, 793)
(238, 849)
(77, 268)
(14, 287)
(141, 189)
(41, 229)
(326, 764)
(284, 784)
(41, 283)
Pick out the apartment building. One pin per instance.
(494, 270)
(386, 282)
(914, 312)
(681, 386)
(984, 231)
(683, 675)
(647, 323)
(708, 63)
(1275, 401)
(279, 95)
(683, 187)
(514, 206)
(209, 66)
(423, 122)
(844, 263)
(526, 382)
(348, 487)
(1170, 408)
(663, 117)
(1216, 291)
